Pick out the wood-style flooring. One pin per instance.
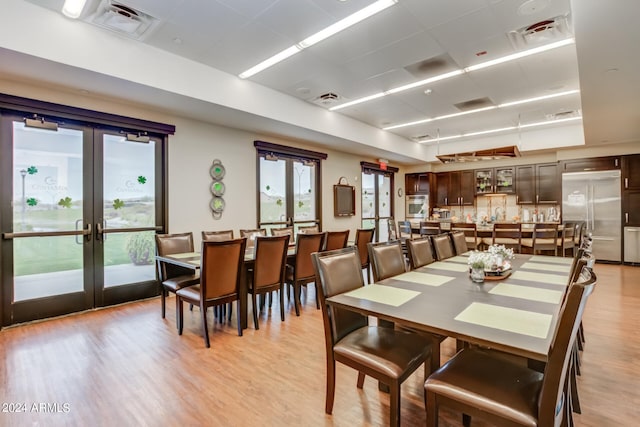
(126, 366)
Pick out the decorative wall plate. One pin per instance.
(217, 204)
(217, 188)
(217, 171)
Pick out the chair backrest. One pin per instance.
(252, 234)
(386, 259)
(459, 242)
(306, 244)
(430, 228)
(337, 272)
(168, 244)
(221, 268)
(404, 229)
(551, 394)
(442, 246)
(363, 237)
(336, 240)
(285, 231)
(270, 260)
(470, 232)
(507, 234)
(420, 252)
(579, 232)
(545, 236)
(392, 231)
(568, 234)
(309, 229)
(216, 236)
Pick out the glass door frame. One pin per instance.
(375, 169)
(96, 123)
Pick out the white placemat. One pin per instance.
(527, 292)
(460, 259)
(551, 259)
(553, 279)
(185, 255)
(561, 268)
(450, 266)
(507, 319)
(383, 294)
(423, 278)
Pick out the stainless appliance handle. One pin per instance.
(593, 209)
(626, 183)
(626, 218)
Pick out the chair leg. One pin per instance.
(163, 302)
(205, 329)
(230, 308)
(435, 355)
(239, 320)
(394, 404)
(331, 385)
(466, 420)
(432, 409)
(296, 297)
(255, 310)
(180, 311)
(360, 383)
(573, 390)
(281, 303)
(317, 300)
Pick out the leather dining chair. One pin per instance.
(363, 237)
(420, 252)
(285, 231)
(470, 231)
(430, 228)
(173, 277)
(220, 275)
(336, 240)
(268, 270)
(216, 236)
(404, 230)
(252, 234)
(507, 234)
(459, 241)
(442, 246)
(309, 229)
(481, 383)
(300, 272)
(386, 354)
(387, 261)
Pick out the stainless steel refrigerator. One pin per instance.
(594, 197)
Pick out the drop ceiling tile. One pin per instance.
(295, 19)
(432, 13)
(479, 25)
(248, 8)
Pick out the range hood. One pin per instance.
(476, 156)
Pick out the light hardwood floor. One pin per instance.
(125, 366)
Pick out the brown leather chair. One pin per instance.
(508, 235)
(252, 234)
(481, 383)
(268, 270)
(442, 246)
(470, 233)
(216, 236)
(220, 272)
(363, 237)
(404, 230)
(420, 252)
(285, 231)
(386, 259)
(173, 277)
(567, 239)
(459, 241)
(309, 229)
(301, 271)
(336, 240)
(430, 228)
(386, 354)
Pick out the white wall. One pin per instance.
(193, 148)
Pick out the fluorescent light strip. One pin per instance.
(450, 74)
(478, 110)
(361, 100)
(485, 132)
(329, 31)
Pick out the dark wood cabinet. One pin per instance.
(631, 208)
(631, 172)
(525, 185)
(495, 180)
(417, 183)
(442, 188)
(455, 188)
(548, 184)
(591, 164)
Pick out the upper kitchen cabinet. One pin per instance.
(591, 164)
(631, 172)
(495, 180)
(538, 184)
(461, 188)
(442, 188)
(631, 208)
(416, 183)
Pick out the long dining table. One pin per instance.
(191, 260)
(517, 314)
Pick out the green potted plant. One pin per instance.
(141, 248)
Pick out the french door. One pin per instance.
(377, 202)
(80, 205)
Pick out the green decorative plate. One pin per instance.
(217, 171)
(217, 204)
(217, 188)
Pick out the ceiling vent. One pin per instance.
(547, 31)
(474, 104)
(432, 67)
(563, 115)
(123, 19)
(328, 99)
(476, 156)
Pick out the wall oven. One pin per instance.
(417, 206)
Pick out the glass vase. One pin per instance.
(477, 275)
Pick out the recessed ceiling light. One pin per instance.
(303, 90)
(428, 92)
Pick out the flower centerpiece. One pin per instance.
(493, 262)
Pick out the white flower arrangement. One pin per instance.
(483, 260)
(493, 259)
(501, 251)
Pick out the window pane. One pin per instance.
(129, 258)
(273, 206)
(304, 191)
(368, 196)
(384, 196)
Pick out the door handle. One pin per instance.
(626, 183)
(626, 217)
(85, 232)
(100, 234)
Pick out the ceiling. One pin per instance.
(406, 43)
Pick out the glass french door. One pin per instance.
(80, 207)
(377, 191)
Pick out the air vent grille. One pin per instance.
(327, 99)
(123, 19)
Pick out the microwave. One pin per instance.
(417, 206)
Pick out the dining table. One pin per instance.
(516, 313)
(191, 260)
